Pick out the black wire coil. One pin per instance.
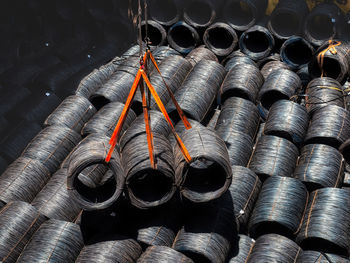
(271, 67)
(324, 91)
(273, 156)
(220, 38)
(180, 128)
(55, 241)
(163, 52)
(241, 251)
(95, 176)
(236, 59)
(320, 166)
(200, 53)
(257, 42)
(155, 32)
(280, 207)
(344, 149)
(53, 200)
(319, 257)
(165, 13)
(209, 157)
(90, 151)
(183, 38)
(288, 120)
(280, 84)
(22, 180)
(329, 125)
(274, 248)
(198, 91)
(123, 250)
(244, 191)
(73, 112)
(326, 223)
(162, 254)
(272, 57)
(106, 119)
(18, 221)
(200, 14)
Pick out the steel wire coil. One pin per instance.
(162, 254)
(324, 91)
(182, 37)
(155, 32)
(326, 222)
(163, 52)
(329, 125)
(322, 23)
(273, 156)
(95, 176)
(123, 251)
(54, 241)
(73, 112)
(200, 14)
(166, 12)
(344, 149)
(288, 120)
(280, 84)
(22, 180)
(280, 207)
(209, 157)
(244, 190)
(244, 80)
(287, 19)
(315, 256)
(240, 252)
(220, 38)
(346, 181)
(3, 164)
(106, 119)
(198, 91)
(93, 150)
(18, 222)
(320, 166)
(304, 76)
(201, 53)
(212, 119)
(51, 146)
(260, 132)
(145, 186)
(271, 67)
(180, 128)
(296, 52)
(257, 42)
(272, 57)
(344, 33)
(237, 60)
(53, 200)
(274, 248)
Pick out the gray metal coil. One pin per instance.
(280, 84)
(324, 91)
(329, 125)
(304, 76)
(237, 115)
(162, 254)
(240, 252)
(271, 67)
(73, 112)
(209, 157)
(95, 176)
(106, 119)
(272, 57)
(237, 58)
(273, 156)
(18, 222)
(244, 191)
(166, 12)
(280, 207)
(198, 91)
(257, 42)
(200, 14)
(54, 241)
(155, 32)
(296, 52)
(163, 52)
(244, 80)
(274, 248)
(22, 180)
(147, 187)
(320, 166)
(180, 128)
(200, 53)
(220, 38)
(51, 146)
(344, 149)
(90, 151)
(346, 181)
(319, 257)
(53, 200)
(260, 132)
(211, 122)
(288, 120)
(182, 37)
(326, 222)
(123, 251)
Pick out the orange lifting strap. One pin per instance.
(332, 49)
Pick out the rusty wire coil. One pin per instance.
(326, 223)
(155, 32)
(329, 125)
(315, 256)
(56, 241)
(288, 120)
(280, 84)
(209, 157)
(18, 222)
(280, 207)
(123, 250)
(93, 150)
(53, 200)
(241, 249)
(22, 180)
(166, 12)
(183, 38)
(163, 254)
(201, 53)
(320, 166)
(273, 156)
(271, 67)
(198, 91)
(273, 247)
(73, 112)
